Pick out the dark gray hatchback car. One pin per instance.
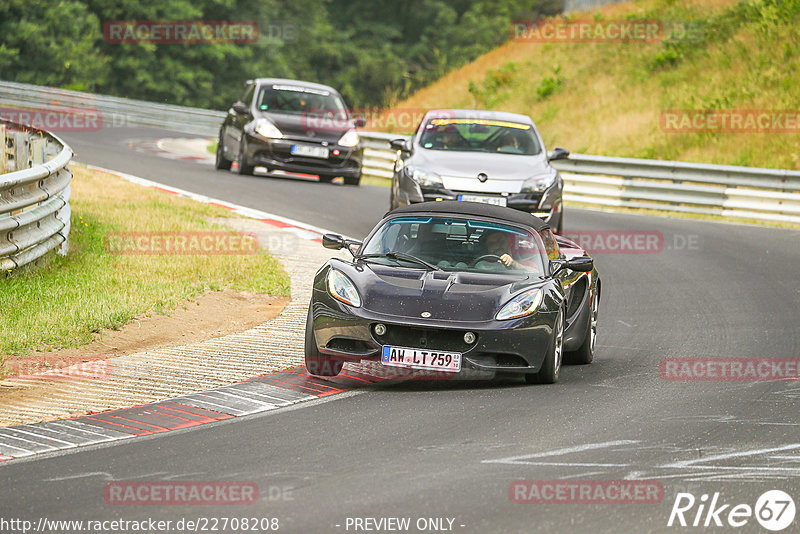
(291, 126)
(480, 156)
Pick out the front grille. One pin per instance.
(424, 338)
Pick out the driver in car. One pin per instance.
(497, 243)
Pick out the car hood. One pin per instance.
(460, 170)
(449, 296)
(307, 127)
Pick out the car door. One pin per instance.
(233, 130)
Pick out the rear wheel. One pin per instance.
(244, 167)
(585, 353)
(551, 367)
(352, 180)
(325, 179)
(221, 163)
(316, 363)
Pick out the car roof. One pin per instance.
(300, 83)
(481, 114)
(477, 209)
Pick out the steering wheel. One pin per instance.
(486, 257)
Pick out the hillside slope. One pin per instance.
(610, 98)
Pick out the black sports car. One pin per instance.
(291, 126)
(450, 286)
(480, 156)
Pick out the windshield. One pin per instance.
(479, 135)
(298, 100)
(457, 244)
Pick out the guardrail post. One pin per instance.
(3, 149)
(21, 150)
(38, 145)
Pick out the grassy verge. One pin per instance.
(64, 302)
(609, 97)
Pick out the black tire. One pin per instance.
(352, 180)
(585, 353)
(244, 167)
(325, 179)
(551, 367)
(221, 163)
(316, 363)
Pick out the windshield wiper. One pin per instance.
(402, 256)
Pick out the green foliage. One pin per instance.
(550, 84)
(488, 94)
(374, 51)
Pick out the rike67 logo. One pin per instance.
(774, 510)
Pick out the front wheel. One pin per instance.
(316, 363)
(325, 179)
(244, 167)
(551, 367)
(221, 163)
(352, 180)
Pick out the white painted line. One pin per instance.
(512, 460)
(691, 463)
(92, 429)
(48, 438)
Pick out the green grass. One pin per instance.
(65, 301)
(607, 98)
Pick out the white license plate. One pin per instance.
(497, 201)
(434, 360)
(310, 151)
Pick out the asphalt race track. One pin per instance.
(452, 449)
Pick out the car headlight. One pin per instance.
(523, 304)
(342, 288)
(538, 184)
(423, 177)
(265, 128)
(349, 139)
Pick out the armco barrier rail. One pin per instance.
(670, 186)
(101, 111)
(34, 195)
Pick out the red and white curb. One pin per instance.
(300, 229)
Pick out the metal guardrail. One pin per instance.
(669, 186)
(743, 192)
(102, 111)
(34, 195)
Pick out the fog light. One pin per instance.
(380, 329)
(469, 338)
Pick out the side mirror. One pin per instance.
(583, 264)
(558, 153)
(399, 144)
(240, 108)
(337, 242)
(360, 122)
(333, 241)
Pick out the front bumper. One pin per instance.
(546, 205)
(516, 346)
(275, 154)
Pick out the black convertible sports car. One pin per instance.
(449, 286)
